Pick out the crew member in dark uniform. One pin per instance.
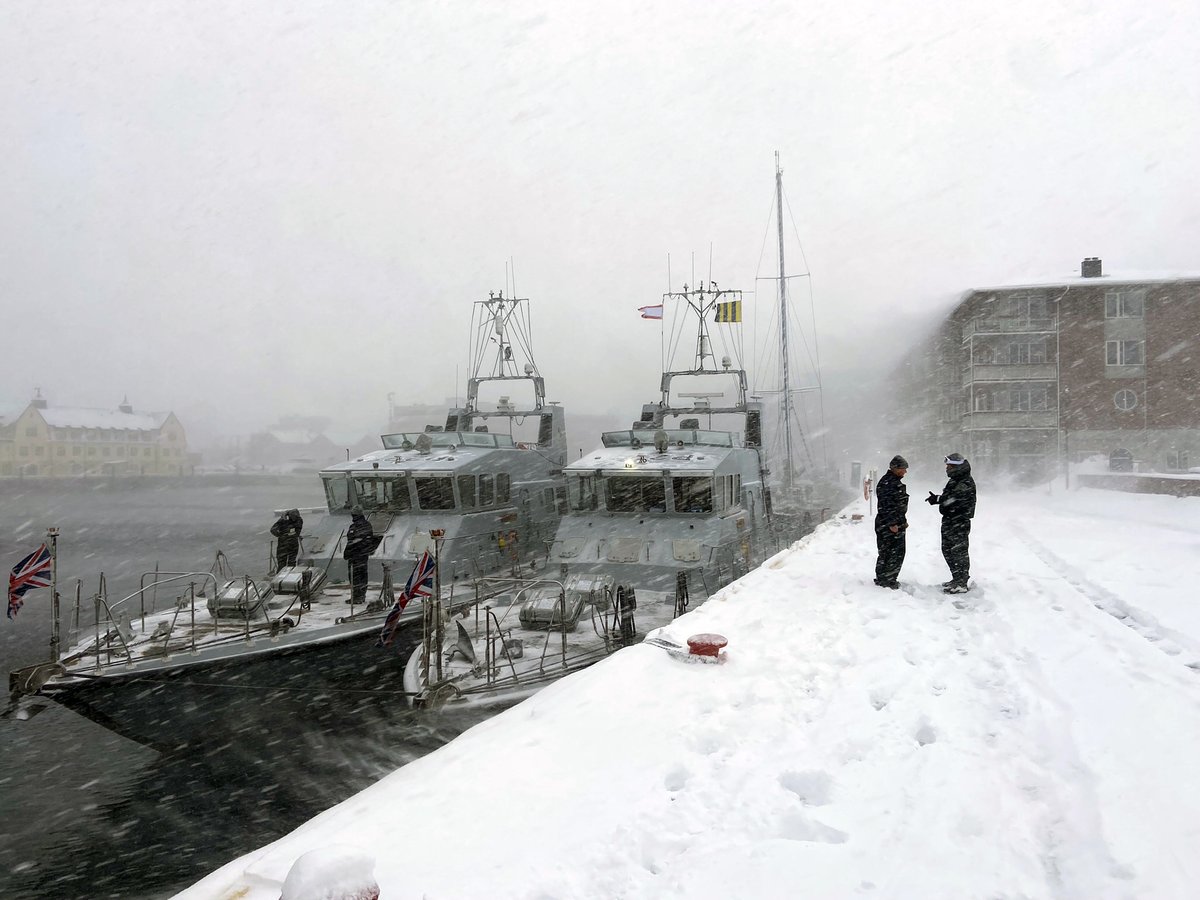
(891, 521)
(360, 544)
(956, 503)
(287, 538)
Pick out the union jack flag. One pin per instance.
(31, 572)
(419, 584)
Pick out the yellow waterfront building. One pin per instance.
(60, 441)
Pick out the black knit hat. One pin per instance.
(955, 459)
(898, 462)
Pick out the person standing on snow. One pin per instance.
(956, 503)
(891, 521)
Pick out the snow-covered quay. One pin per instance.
(1040, 741)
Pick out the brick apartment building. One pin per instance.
(1022, 377)
(44, 440)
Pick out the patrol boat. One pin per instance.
(660, 515)
(478, 491)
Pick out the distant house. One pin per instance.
(294, 443)
(59, 441)
(1022, 377)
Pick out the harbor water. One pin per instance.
(87, 814)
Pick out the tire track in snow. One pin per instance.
(1171, 643)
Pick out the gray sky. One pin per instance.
(243, 210)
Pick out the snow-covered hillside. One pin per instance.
(1040, 741)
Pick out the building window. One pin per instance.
(1026, 399)
(1124, 353)
(1124, 304)
(31, 431)
(1026, 352)
(1125, 399)
(1177, 461)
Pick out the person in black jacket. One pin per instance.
(891, 521)
(360, 544)
(956, 503)
(287, 536)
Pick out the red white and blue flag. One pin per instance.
(419, 584)
(31, 572)
(651, 312)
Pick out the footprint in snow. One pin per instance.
(925, 734)
(813, 788)
(677, 779)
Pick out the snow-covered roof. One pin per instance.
(695, 458)
(1077, 280)
(73, 417)
(440, 459)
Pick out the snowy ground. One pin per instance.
(1041, 741)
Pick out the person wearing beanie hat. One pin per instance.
(891, 521)
(956, 503)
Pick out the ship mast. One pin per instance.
(788, 473)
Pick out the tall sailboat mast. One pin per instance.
(788, 471)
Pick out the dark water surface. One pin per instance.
(87, 814)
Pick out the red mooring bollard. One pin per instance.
(706, 645)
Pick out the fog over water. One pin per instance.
(240, 213)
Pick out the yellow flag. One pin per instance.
(729, 311)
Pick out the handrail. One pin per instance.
(489, 650)
(99, 601)
(561, 604)
(174, 576)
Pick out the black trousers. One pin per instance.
(956, 546)
(891, 553)
(358, 580)
(286, 556)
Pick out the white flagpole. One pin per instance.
(52, 537)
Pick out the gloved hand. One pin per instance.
(933, 499)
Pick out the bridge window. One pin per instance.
(382, 494)
(435, 492)
(466, 491)
(693, 495)
(582, 489)
(632, 493)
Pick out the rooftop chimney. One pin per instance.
(125, 406)
(1092, 267)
